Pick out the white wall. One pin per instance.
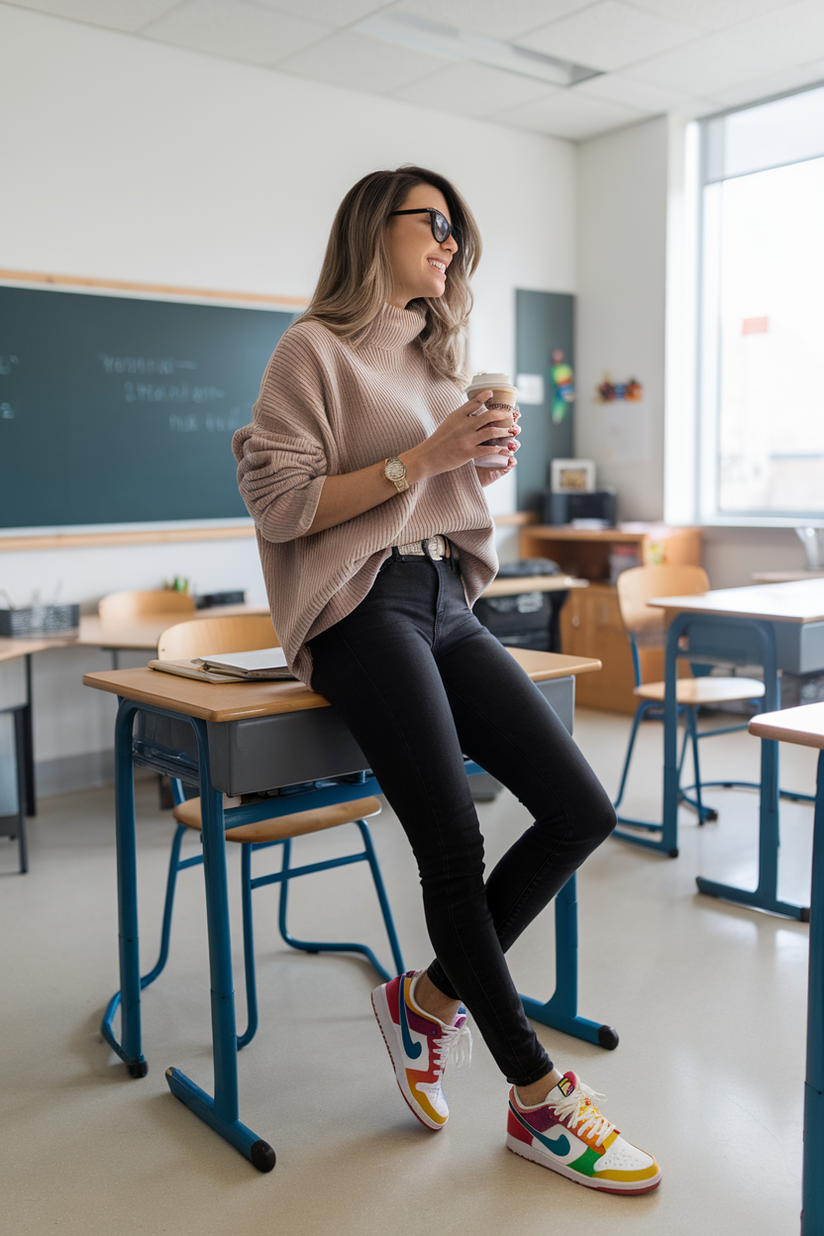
(636, 310)
(622, 202)
(124, 159)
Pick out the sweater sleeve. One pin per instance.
(284, 455)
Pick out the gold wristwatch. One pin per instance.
(395, 471)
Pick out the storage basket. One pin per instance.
(38, 620)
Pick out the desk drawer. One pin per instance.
(265, 752)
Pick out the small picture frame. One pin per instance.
(572, 476)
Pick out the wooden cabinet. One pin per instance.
(591, 621)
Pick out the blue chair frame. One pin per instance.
(667, 842)
(654, 710)
(300, 798)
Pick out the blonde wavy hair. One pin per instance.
(356, 279)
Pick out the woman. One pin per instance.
(376, 539)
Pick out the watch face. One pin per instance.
(395, 469)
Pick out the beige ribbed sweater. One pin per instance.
(326, 408)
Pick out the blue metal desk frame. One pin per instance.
(221, 1111)
(740, 640)
(812, 1193)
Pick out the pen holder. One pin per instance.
(38, 620)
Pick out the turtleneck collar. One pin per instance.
(392, 329)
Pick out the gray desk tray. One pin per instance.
(263, 753)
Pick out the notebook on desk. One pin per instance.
(254, 664)
(258, 665)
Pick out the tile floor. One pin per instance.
(708, 999)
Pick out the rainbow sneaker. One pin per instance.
(419, 1047)
(569, 1135)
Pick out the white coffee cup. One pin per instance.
(504, 399)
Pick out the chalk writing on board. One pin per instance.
(6, 412)
(136, 364)
(146, 392)
(6, 363)
(190, 422)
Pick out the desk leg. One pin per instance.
(220, 1112)
(27, 786)
(812, 1222)
(561, 1010)
(765, 895)
(128, 998)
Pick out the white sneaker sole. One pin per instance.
(380, 1005)
(605, 1186)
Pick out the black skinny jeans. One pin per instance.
(420, 682)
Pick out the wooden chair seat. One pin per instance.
(698, 691)
(298, 824)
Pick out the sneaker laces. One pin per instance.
(584, 1117)
(451, 1039)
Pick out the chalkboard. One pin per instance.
(544, 322)
(118, 410)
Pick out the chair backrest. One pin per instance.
(646, 625)
(212, 636)
(637, 585)
(123, 606)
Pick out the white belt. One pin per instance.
(435, 547)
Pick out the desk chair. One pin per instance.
(646, 628)
(126, 606)
(201, 637)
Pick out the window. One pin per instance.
(761, 386)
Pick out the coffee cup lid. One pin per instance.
(489, 381)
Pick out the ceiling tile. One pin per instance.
(709, 14)
(360, 63)
(776, 83)
(608, 35)
(794, 34)
(336, 13)
(472, 90)
(236, 29)
(497, 19)
(614, 88)
(115, 14)
(714, 62)
(567, 114)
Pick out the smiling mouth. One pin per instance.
(441, 266)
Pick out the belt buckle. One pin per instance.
(435, 548)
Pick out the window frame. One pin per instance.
(708, 223)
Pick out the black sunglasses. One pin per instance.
(442, 229)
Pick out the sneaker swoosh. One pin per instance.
(559, 1146)
(412, 1050)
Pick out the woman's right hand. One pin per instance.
(460, 439)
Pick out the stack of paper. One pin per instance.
(257, 663)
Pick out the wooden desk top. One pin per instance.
(11, 648)
(144, 633)
(236, 701)
(803, 725)
(784, 577)
(798, 601)
(511, 585)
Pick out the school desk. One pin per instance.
(15, 698)
(776, 626)
(805, 727)
(242, 738)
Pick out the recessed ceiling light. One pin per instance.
(452, 44)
